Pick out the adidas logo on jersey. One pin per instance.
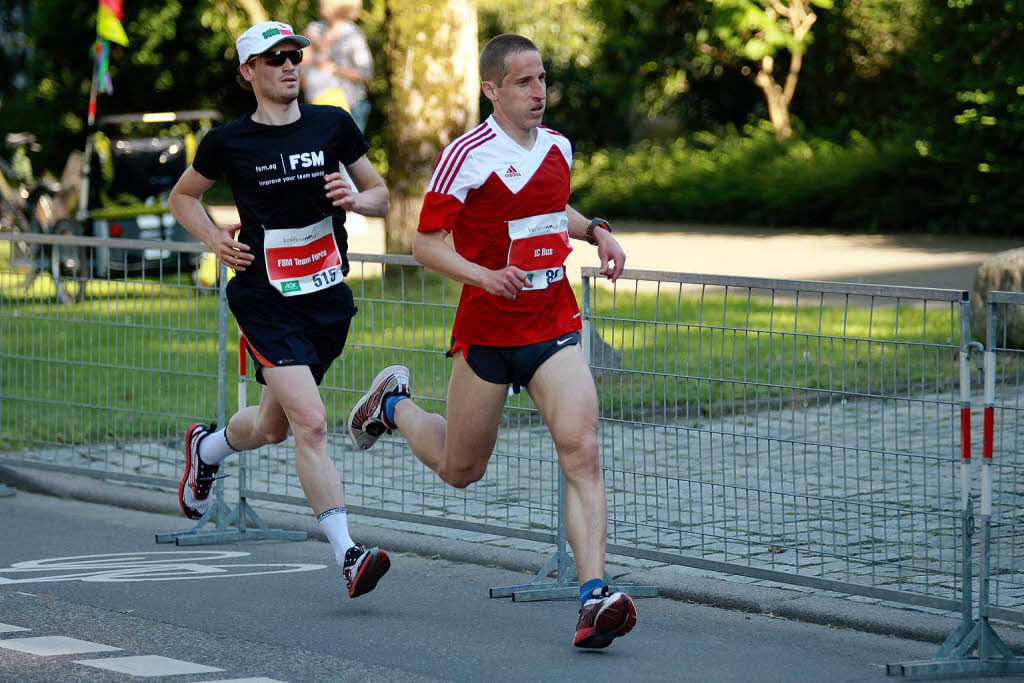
(512, 172)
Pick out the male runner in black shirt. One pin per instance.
(282, 163)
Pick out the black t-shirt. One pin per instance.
(276, 174)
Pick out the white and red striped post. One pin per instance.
(966, 507)
(989, 429)
(242, 370)
(965, 427)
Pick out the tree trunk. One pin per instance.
(778, 103)
(435, 94)
(801, 19)
(255, 11)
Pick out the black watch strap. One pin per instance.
(596, 223)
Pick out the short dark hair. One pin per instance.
(492, 58)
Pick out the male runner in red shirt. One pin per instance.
(502, 191)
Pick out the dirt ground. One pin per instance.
(910, 260)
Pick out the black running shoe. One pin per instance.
(363, 569)
(194, 490)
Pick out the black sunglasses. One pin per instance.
(277, 57)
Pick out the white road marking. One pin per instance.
(48, 646)
(148, 665)
(243, 680)
(11, 628)
(143, 566)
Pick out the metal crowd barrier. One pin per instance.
(103, 386)
(803, 432)
(974, 647)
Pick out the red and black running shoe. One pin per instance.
(194, 490)
(603, 618)
(364, 568)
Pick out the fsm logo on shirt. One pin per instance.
(306, 159)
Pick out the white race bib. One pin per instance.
(540, 245)
(303, 260)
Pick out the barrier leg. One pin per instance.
(564, 568)
(220, 514)
(974, 647)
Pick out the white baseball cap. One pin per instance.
(263, 37)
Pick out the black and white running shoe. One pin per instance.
(194, 490)
(364, 568)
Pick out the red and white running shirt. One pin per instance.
(506, 205)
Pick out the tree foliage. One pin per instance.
(758, 31)
(939, 86)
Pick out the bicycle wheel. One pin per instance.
(18, 258)
(68, 263)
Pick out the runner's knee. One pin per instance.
(466, 471)
(274, 433)
(579, 457)
(461, 477)
(272, 427)
(582, 443)
(309, 424)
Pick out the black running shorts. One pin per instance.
(513, 365)
(281, 331)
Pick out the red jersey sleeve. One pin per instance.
(439, 212)
(455, 174)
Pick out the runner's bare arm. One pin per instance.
(613, 258)
(430, 249)
(185, 206)
(369, 197)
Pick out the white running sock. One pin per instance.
(215, 447)
(334, 522)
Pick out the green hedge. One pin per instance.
(750, 177)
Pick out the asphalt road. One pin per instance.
(279, 611)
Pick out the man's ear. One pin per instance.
(490, 90)
(246, 71)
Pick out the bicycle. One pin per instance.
(29, 205)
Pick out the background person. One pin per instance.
(290, 256)
(502, 191)
(341, 62)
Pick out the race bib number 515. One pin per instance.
(303, 260)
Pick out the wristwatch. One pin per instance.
(596, 223)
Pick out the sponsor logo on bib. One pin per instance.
(290, 286)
